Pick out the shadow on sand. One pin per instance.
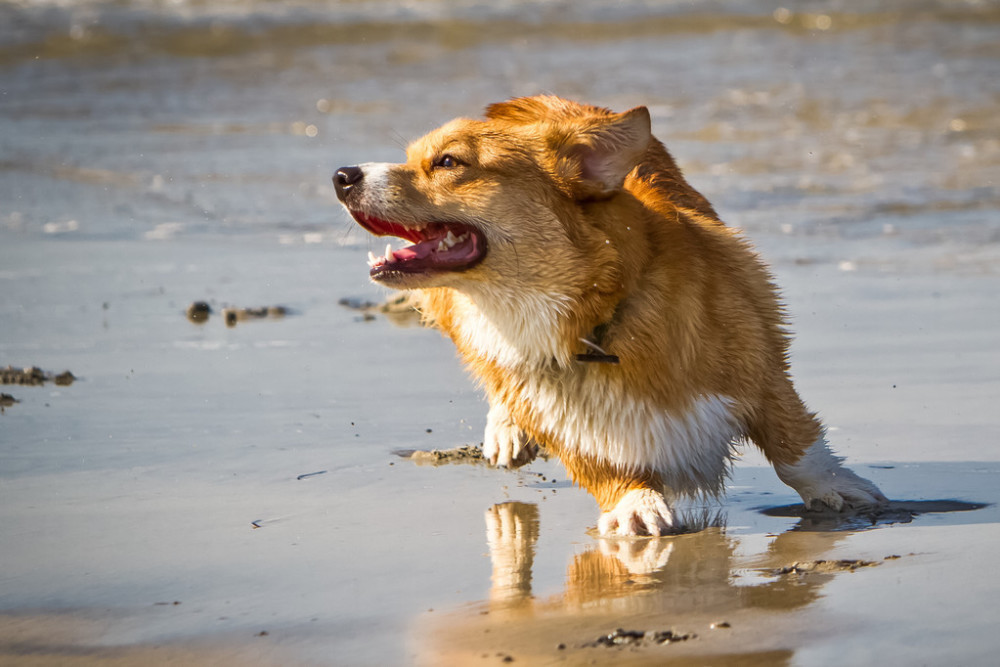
(898, 511)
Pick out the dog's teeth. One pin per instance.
(388, 252)
(450, 240)
(463, 238)
(442, 247)
(371, 258)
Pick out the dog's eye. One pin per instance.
(447, 162)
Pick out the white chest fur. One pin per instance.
(596, 414)
(599, 418)
(515, 330)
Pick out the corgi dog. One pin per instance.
(608, 313)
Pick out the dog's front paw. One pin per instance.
(504, 443)
(824, 483)
(639, 512)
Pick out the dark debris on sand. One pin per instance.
(234, 315)
(823, 567)
(639, 638)
(401, 309)
(464, 454)
(34, 376)
(6, 400)
(199, 312)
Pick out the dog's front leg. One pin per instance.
(504, 442)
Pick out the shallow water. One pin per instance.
(157, 153)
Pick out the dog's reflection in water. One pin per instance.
(511, 532)
(730, 604)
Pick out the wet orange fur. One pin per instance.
(682, 299)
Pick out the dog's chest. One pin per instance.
(515, 330)
(595, 412)
(597, 415)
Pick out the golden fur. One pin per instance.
(594, 235)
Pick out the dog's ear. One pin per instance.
(605, 150)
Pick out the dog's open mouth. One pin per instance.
(437, 246)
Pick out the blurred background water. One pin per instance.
(152, 120)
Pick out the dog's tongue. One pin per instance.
(417, 251)
(441, 250)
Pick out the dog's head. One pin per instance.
(512, 196)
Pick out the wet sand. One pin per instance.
(212, 494)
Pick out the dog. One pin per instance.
(607, 312)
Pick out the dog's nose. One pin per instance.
(345, 179)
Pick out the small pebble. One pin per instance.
(198, 312)
(64, 379)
